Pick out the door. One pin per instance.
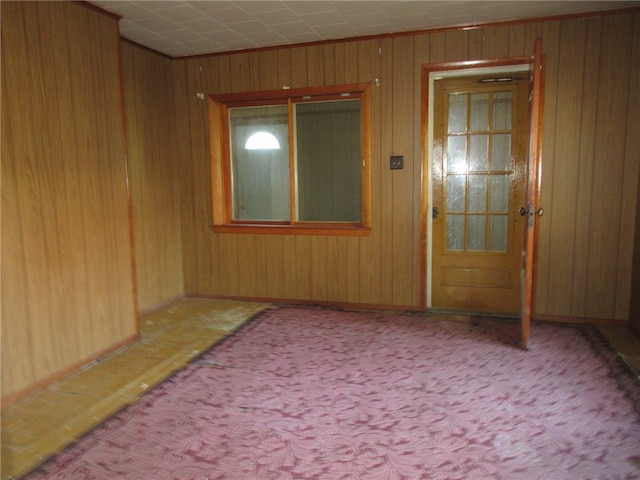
(532, 210)
(481, 127)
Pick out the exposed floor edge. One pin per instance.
(46, 422)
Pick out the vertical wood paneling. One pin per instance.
(404, 222)
(187, 204)
(632, 151)
(15, 335)
(299, 74)
(87, 151)
(329, 64)
(44, 170)
(200, 182)
(383, 202)
(385, 268)
(630, 167)
(567, 160)
(315, 65)
(475, 44)
(495, 42)
(437, 47)
(211, 83)
(517, 45)
(66, 263)
(149, 106)
(609, 166)
(456, 45)
(584, 173)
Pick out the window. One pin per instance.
(291, 161)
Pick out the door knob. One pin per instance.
(523, 211)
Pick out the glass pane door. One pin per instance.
(477, 171)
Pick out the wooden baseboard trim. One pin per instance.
(320, 303)
(599, 322)
(15, 397)
(611, 322)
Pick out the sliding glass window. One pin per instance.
(292, 161)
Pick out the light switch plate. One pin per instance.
(396, 162)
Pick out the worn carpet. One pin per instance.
(312, 393)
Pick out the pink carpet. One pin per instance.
(311, 393)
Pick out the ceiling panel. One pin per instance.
(183, 28)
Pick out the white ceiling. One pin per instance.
(182, 28)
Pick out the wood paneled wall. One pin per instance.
(153, 175)
(633, 148)
(590, 167)
(67, 282)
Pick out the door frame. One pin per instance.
(431, 72)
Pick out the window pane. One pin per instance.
(328, 161)
(479, 111)
(456, 193)
(479, 153)
(457, 113)
(477, 193)
(455, 232)
(477, 234)
(260, 172)
(501, 152)
(499, 193)
(502, 111)
(457, 154)
(498, 233)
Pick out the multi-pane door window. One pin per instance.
(477, 171)
(292, 158)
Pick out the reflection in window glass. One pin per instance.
(477, 193)
(328, 161)
(479, 153)
(457, 113)
(501, 152)
(253, 197)
(502, 111)
(455, 232)
(479, 112)
(499, 193)
(498, 233)
(456, 193)
(457, 154)
(477, 234)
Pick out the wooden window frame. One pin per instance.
(221, 186)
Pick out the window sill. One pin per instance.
(347, 230)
